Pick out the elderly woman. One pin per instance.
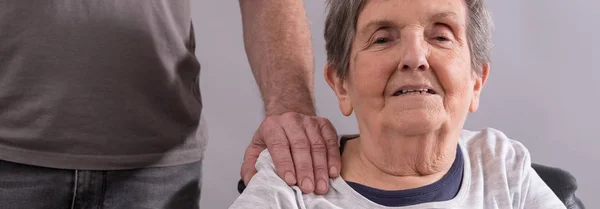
(411, 70)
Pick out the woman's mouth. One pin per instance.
(414, 91)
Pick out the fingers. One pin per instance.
(279, 148)
(318, 150)
(301, 153)
(330, 137)
(249, 172)
(304, 150)
(250, 158)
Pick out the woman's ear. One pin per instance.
(479, 83)
(339, 88)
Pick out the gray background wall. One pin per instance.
(543, 88)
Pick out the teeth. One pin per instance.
(414, 90)
(419, 91)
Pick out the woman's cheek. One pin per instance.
(373, 71)
(457, 82)
(369, 80)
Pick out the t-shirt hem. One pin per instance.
(94, 162)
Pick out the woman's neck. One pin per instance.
(397, 164)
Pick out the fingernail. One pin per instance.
(322, 185)
(333, 171)
(307, 184)
(289, 178)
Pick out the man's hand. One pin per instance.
(303, 146)
(304, 149)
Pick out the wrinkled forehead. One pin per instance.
(404, 12)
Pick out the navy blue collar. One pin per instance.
(444, 189)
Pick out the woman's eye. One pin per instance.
(381, 40)
(442, 38)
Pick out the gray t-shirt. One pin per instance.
(497, 175)
(99, 84)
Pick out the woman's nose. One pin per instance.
(414, 53)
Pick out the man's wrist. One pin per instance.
(280, 109)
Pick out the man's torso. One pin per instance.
(98, 84)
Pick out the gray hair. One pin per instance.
(340, 28)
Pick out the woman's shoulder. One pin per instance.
(265, 161)
(265, 167)
(503, 165)
(266, 189)
(490, 138)
(490, 144)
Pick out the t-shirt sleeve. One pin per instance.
(535, 193)
(267, 190)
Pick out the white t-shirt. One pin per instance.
(497, 175)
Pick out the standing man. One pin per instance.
(100, 106)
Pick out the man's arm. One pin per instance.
(278, 45)
(304, 146)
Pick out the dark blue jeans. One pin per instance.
(31, 187)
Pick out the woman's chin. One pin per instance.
(417, 125)
(415, 129)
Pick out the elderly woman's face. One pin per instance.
(410, 68)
